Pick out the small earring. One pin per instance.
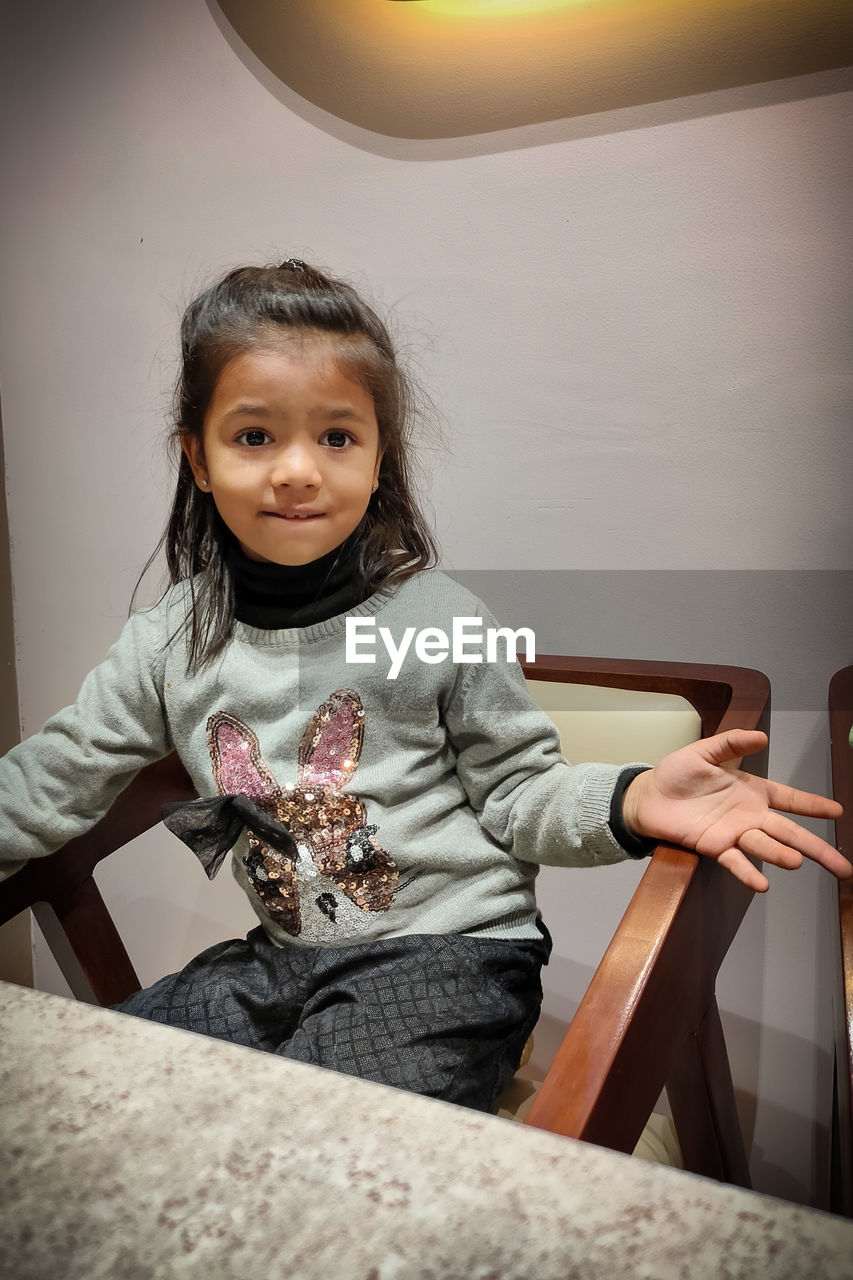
(203, 484)
(375, 487)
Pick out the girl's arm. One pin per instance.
(60, 782)
(547, 811)
(524, 793)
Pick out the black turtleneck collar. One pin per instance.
(275, 596)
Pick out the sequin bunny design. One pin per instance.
(340, 872)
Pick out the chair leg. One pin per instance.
(81, 926)
(701, 1096)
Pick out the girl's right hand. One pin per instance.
(698, 798)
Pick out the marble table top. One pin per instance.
(130, 1150)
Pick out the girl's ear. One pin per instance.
(379, 457)
(194, 453)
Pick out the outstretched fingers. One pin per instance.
(763, 846)
(785, 843)
(733, 744)
(738, 865)
(805, 803)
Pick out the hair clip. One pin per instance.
(294, 264)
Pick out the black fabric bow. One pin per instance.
(210, 827)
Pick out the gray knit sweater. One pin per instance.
(419, 804)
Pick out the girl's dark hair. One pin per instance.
(248, 308)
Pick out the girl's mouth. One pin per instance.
(284, 515)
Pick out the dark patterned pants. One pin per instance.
(442, 1015)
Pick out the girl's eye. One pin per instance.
(253, 437)
(336, 439)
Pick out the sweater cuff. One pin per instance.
(635, 846)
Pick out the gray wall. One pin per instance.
(636, 327)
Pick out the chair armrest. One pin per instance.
(58, 876)
(841, 753)
(654, 987)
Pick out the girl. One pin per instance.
(387, 831)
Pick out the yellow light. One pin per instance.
(497, 8)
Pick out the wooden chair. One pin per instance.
(841, 752)
(649, 1018)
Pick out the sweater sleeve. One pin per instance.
(61, 781)
(525, 794)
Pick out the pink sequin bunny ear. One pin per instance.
(238, 766)
(240, 770)
(331, 744)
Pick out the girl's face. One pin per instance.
(290, 450)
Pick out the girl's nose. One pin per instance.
(296, 466)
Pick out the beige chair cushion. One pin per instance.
(615, 726)
(658, 1142)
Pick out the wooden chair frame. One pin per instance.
(649, 1018)
(841, 755)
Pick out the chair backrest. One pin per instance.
(649, 1016)
(841, 752)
